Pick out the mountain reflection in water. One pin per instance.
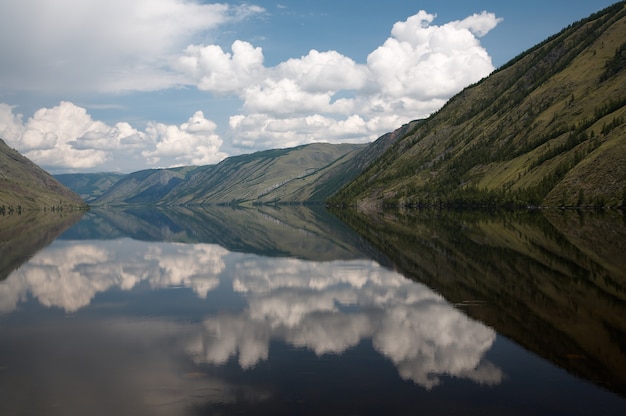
(175, 316)
(325, 307)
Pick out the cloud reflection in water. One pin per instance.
(330, 307)
(326, 307)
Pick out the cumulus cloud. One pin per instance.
(479, 23)
(191, 143)
(114, 45)
(66, 137)
(322, 96)
(428, 61)
(326, 96)
(324, 71)
(267, 131)
(212, 69)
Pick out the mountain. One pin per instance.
(308, 173)
(25, 186)
(545, 129)
(89, 185)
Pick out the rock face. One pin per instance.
(25, 186)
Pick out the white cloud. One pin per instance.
(318, 97)
(479, 24)
(114, 45)
(263, 130)
(48, 137)
(326, 96)
(212, 69)
(285, 96)
(324, 71)
(66, 137)
(423, 61)
(191, 143)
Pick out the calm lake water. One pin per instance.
(291, 311)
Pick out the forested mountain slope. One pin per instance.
(545, 129)
(25, 186)
(308, 173)
(89, 185)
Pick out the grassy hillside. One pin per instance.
(293, 175)
(25, 186)
(268, 176)
(145, 187)
(545, 129)
(89, 185)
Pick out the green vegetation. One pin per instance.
(544, 129)
(301, 174)
(25, 187)
(89, 185)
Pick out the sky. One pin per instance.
(127, 85)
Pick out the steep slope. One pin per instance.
(25, 186)
(545, 129)
(268, 176)
(89, 185)
(282, 175)
(144, 187)
(349, 167)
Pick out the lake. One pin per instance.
(294, 310)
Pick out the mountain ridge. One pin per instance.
(289, 175)
(25, 186)
(544, 129)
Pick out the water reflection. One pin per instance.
(201, 322)
(330, 307)
(552, 280)
(23, 235)
(69, 274)
(326, 307)
(308, 233)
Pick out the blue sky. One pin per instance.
(125, 85)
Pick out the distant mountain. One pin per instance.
(308, 173)
(89, 185)
(545, 129)
(25, 186)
